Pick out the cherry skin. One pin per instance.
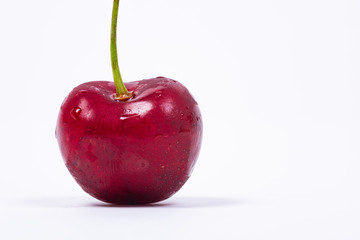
(137, 151)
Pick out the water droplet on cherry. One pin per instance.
(75, 113)
(158, 93)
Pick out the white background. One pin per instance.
(278, 85)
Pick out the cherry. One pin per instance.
(132, 143)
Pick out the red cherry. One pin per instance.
(130, 152)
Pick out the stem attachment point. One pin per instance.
(123, 97)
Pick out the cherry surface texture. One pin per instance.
(130, 152)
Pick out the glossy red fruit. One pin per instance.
(132, 152)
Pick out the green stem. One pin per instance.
(122, 93)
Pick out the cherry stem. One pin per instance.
(122, 93)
